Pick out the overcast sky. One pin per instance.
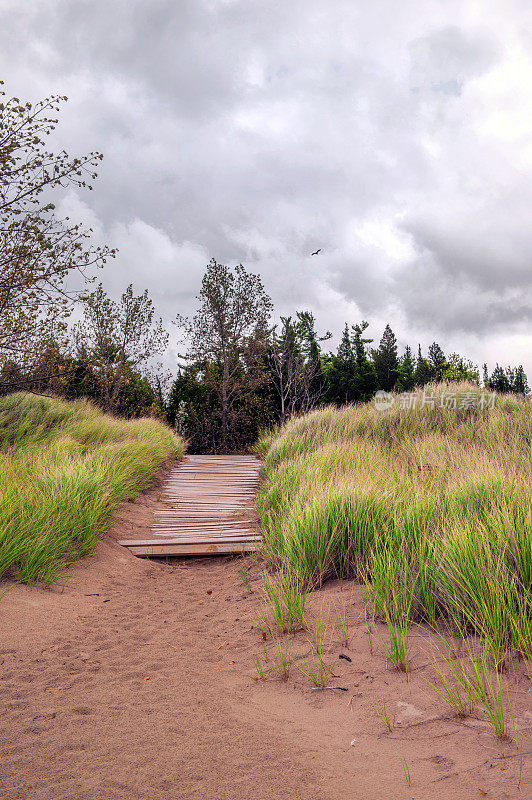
(395, 136)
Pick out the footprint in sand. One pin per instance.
(408, 711)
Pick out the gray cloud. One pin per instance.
(396, 137)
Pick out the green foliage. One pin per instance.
(38, 250)
(340, 373)
(471, 684)
(73, 376)
(407, 368)
(416, 502)
(227, 353)
(64, 468)
(383, 713)
(424, 372)
(459, 369)
(117, 339)
(438, 360)
(366, 382)
(295, 366)
(386, 361)
(285, 599)
(507, 380)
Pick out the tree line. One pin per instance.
(239, 372)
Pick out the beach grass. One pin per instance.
(64, 469)
(430, 505)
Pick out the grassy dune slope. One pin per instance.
(432, 507)
(64, 468)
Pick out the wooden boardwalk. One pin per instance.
(208, 508)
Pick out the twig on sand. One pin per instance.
(477, 766)
(332, 688)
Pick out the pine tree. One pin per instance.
(345, 348)
(386, 361)
(407, 367)
(366, 383)
(424, 370)
(341, 373)
(438, 360)
(520, 382)
(507, 380)
(499, 382)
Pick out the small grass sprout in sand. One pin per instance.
(283, 660)
(264, 623)
(382, 711)
(245, 576)
(406, 772)
(450, 692)
(318, 632)
(285, 599)
(488, 684)
(398, 649)
(279, 665)
(260, 667)
(318, 672)
(370, 630)
(342, 624)
(472, 685)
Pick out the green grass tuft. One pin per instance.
(64, 468)
(430, 506)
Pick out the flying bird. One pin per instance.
(315, 253)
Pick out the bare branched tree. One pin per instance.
(38, 251)
(228, 336)
(295, 364)
(118, 338)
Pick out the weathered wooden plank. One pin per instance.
(185, 539)
(209, 509)
(176, 548)
(224, 524)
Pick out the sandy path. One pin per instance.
(134, 682)
(124, 699)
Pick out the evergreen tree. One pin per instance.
(520, 383)
(407, 369)
(295, 365)
(341, 372)
(424, 370)
(314, 379)
(366, 383)
(438, 360)
(499, 382)
(345, 348)
(507, 380)
(385, 360)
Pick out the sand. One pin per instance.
(133, 679)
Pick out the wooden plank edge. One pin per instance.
(198, 549)
(185, 540)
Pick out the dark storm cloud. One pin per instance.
(393, 136)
